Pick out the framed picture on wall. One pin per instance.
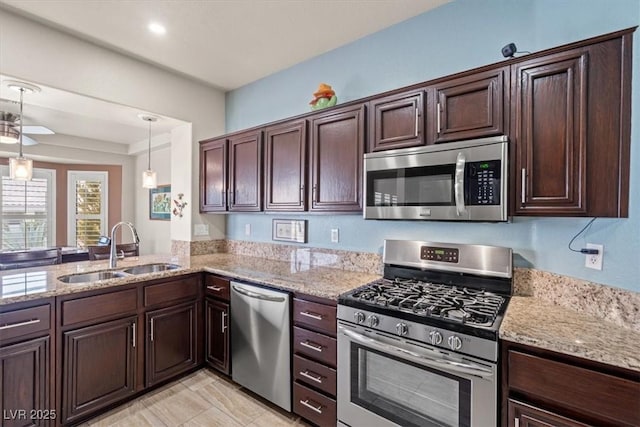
(160, 202)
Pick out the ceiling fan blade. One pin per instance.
(28, 141)
(37, 130)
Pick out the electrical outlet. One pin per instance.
(335, 235)
(247, 229)
(594, 260)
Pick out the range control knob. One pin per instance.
(455, 343)
(435, 337)
(373, 321)
(359, 317)
(402, 329)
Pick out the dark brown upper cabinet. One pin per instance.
(245, 171)
(213, 175)
(285, 166)
(469, 107)
(551, 112)
(397, 121)
(570, 131)
(337, 149)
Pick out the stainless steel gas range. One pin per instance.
(419, 347)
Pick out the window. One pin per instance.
(87, 210)
(28, 219)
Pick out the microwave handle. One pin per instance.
(458, 186)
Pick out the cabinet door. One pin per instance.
(397, 121)
(337, 149)
(217, 334)
(470, 107)
(171, 341)
(521, 415)
(24, 383)
(213, 175)
(98, 366)
(245, 172)
(550, 118)
(285, 164)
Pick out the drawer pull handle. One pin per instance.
(312, 346)
(17, 325)
(312, 376)
(214, 288)
(311, 315)
(306, 403)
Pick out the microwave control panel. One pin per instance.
(482, 182)
(432, 253)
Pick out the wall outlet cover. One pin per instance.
(247, 229)
(335, 235)
(594, 261)
(201, 230)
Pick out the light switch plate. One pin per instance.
(335, 235)
(201, 230)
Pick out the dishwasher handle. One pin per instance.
(257, 295)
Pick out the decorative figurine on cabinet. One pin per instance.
(324, 97)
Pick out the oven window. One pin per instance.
(406, 393)
(419, 186)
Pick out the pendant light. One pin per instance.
(149, 179)
(21, 168)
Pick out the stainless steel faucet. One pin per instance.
(113, 256)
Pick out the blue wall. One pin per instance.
(457, 36)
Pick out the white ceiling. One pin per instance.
(223, 43)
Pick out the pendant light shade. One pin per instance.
(20, 168)
(149, 177)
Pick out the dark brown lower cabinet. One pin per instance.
(521, 415)
(99, 366)
(171, 341)
(545, 388)
(24, 383)
(217, 334)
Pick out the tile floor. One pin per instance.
(200, 399)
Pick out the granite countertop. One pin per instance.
(541, 324)
(40, 282)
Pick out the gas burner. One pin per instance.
(457, 304)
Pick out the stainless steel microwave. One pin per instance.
(458, 181)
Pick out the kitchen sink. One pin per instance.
(92, 277)
(150, 268)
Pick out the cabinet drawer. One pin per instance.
(315, 346)
(583, 390)
(99, 306)
(25, 321)
(316, 316)
(174, 290)
(314, 406)
(314, 374)
(216, 286)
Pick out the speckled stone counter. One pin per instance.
(40, 282)
(535, 322)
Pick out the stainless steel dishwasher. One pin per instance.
(260, 342)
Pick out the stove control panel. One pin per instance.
(432, 253)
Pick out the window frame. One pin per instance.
(72, 177)
(50, 176)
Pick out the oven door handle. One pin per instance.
(458, 185)
(423, 359)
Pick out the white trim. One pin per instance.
(72, 178)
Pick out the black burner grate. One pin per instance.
(469, 306)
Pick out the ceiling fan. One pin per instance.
(10, 128)
(10, 122)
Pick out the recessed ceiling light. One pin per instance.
(156, 28)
